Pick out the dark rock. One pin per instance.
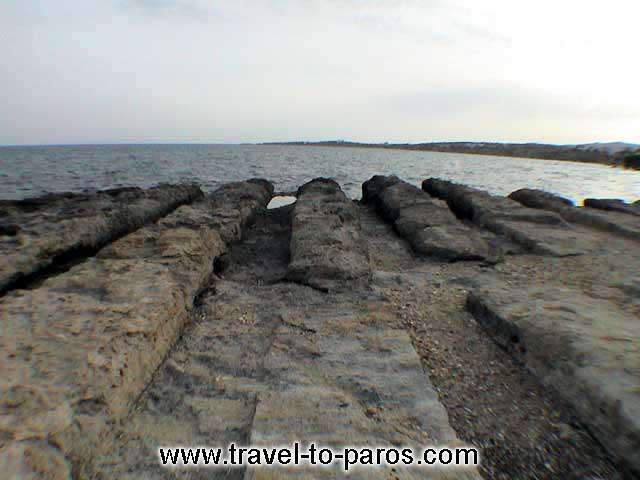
(372, 187)
(327, 251)
(614, 205)
(540, 199)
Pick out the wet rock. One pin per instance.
(35, 233)
(432, 230)
(613, 205)
(535, 230)
(327, 251)
(610, 220)
(584, 348)
(78, 350)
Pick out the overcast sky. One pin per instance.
(102, 71)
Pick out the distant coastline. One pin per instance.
(612, 154)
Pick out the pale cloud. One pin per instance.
(172, 9)
(375, 70)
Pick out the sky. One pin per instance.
(201, 71)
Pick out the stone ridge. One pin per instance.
(78, 350)
(537, 231)
(613, 219)
(431, 229)
(613, 205)
(36, 233)
(327, 250)
(581, 347)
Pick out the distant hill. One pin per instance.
(612, 148)
(615, 153)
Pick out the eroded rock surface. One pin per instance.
(272, 362)
(327, 250)
(585, 348)
(97, 370)
(613, 205)
(431, 229)
(78, 350)
(537, 231)
(610, 219)
(35, 233)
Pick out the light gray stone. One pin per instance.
(327, 251)
(586, 349)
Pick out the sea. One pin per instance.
(36, 170)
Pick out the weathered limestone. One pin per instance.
(537, 231)
(35, 233)
(348, 377)
(269, 363)
(586, 349)
(327, 251)
(613, 205)
(78, 350)
(611, 221)
(97, 370)
(430, 229)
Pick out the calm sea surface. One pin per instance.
(30, 171)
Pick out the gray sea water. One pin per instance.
(31, 171)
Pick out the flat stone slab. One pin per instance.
(343, 376)
(77, 351)
(35, 233)
(430, 229)
(586, 349)
(609, 216)
(271, 365)
(537, 231)
(327, 251)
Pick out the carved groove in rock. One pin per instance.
(78, 350)
(583, 348)
(39, 233)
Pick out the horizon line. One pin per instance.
(381, 143)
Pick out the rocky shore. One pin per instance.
(615, 154)
(441, 315)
